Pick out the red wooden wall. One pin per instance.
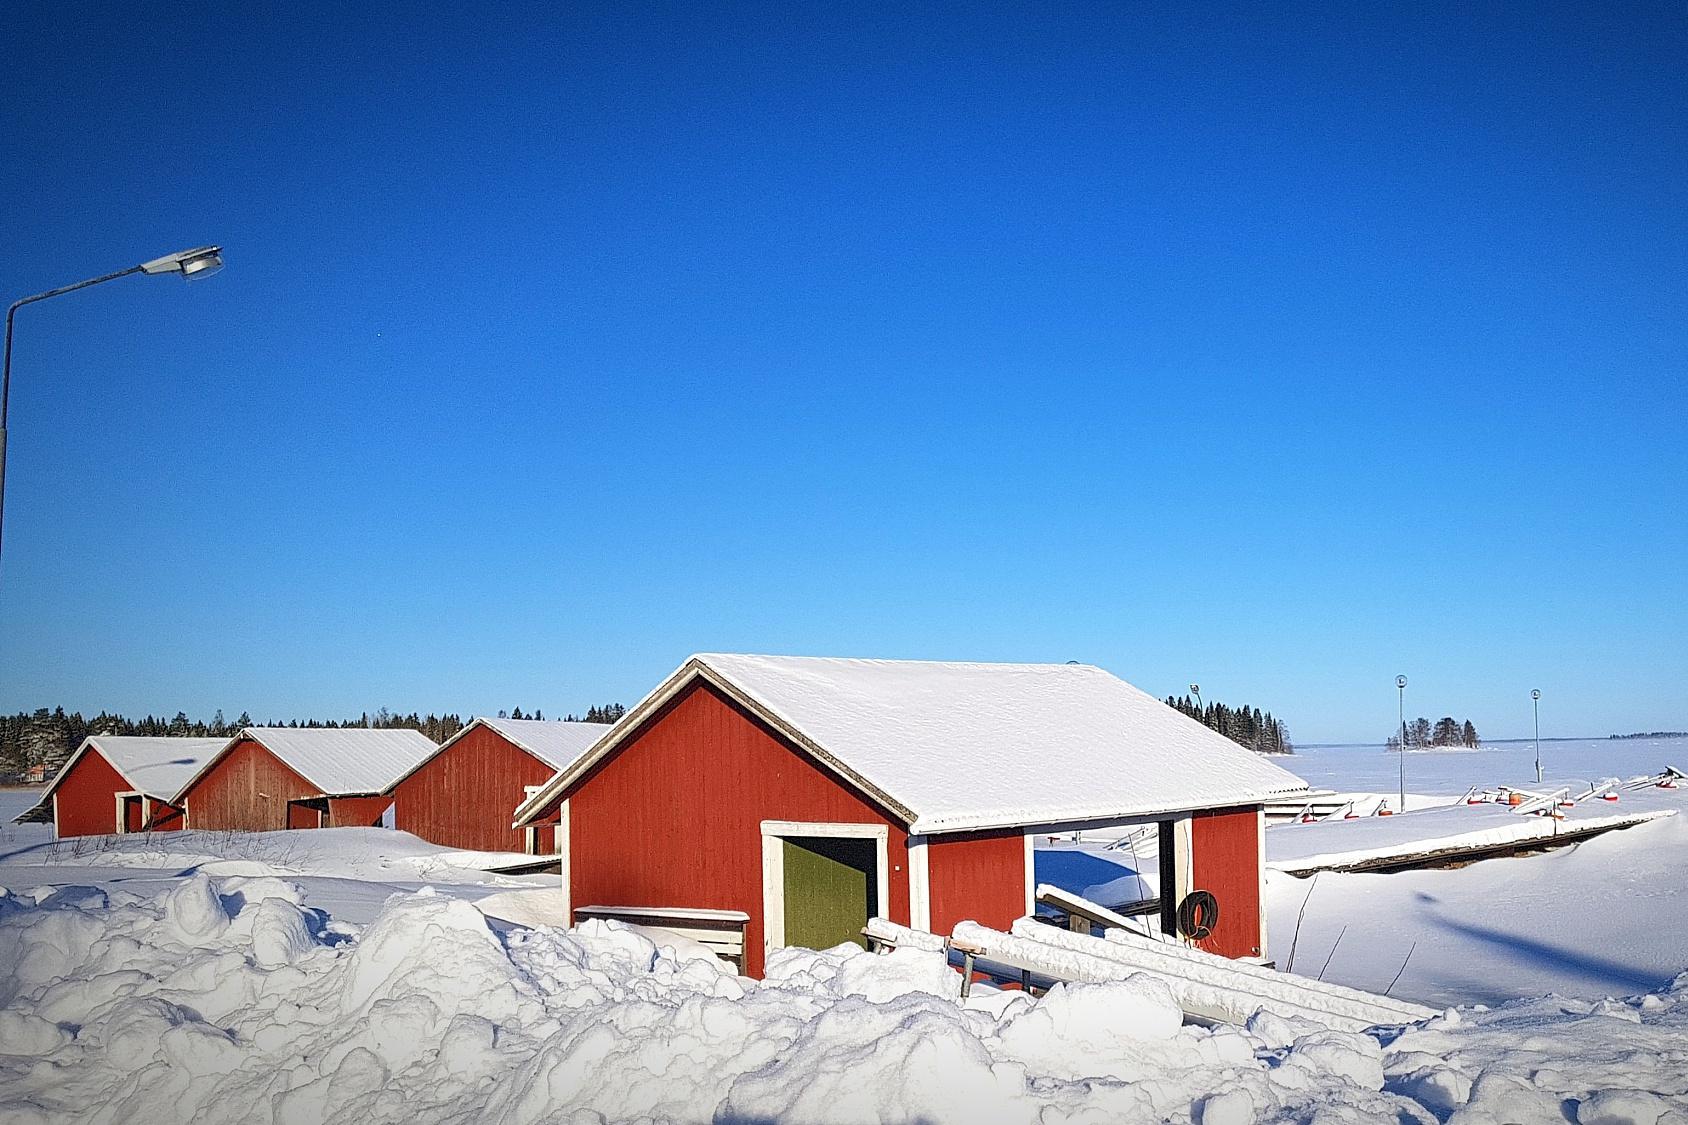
(978, 876)
(1225, 859)
(466, 795)
(545, 839)
(246, 789)
(673, 817)
(164, 818)
(357, 812)
(87, 801)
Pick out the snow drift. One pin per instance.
(231, 999)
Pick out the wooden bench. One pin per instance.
(720, 931)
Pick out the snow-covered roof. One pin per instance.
(339, 761)
(958, 746)
(557, 744)
(157, 767)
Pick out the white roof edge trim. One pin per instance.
(477, 721)
(178, 795)
(942, 826)
(528, 809)
(256, 735)
(696, 669)
(63, 772)
(814, 749)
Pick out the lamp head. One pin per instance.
(1535, 693)
(1400, 681)
(201, 261)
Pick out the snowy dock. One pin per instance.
(1448, 835)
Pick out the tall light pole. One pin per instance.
(1535, 704)
(1196, 690)
(1401, 708)
(201, 261)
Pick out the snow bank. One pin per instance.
(352, 853)
(225, 999)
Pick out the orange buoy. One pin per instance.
(1514, 798)
(1608, 796)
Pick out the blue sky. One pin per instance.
(1280, 349)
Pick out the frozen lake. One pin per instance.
(1371, 769)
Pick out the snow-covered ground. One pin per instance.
(1605, 917)
(225, 998)
(348, 976)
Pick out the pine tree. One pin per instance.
(1468, 735)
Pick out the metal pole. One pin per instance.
(1401, 710)
(6, 366)
(1535, 704)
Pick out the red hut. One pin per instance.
(805, 795)
(465, 793)
(120, 784)
(269, 778)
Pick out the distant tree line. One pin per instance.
(50, 736)
(1447, 731)
(1649, 734)
(1245, 725)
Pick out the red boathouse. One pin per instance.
(269, 778)
(807, 795)
(464, 795)
(115, 783)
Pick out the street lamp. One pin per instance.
(1401, 708)
(201, 261)
(1535, 704)
(1196, 690)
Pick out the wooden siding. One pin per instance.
(673, 817)
(357, 812)
(466, 795)
(1225, 846)
(247, 789)
(977, 876)
(164, 818)
(87, 797)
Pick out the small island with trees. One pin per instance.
(1447, 733)
(1648, 734)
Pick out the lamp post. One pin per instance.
(1535, 705)
(201, 261)
(1196, 690)
(1401, 709)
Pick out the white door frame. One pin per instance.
(119, 798)
(920, 882)
(774, 834)
(560, 843)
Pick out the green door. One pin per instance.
(830, 889)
